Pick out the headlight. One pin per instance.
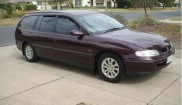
(147, 53)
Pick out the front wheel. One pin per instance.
(30, 53)
(111, 68)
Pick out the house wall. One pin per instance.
(95, 3)
(43, 7)
(85, 3)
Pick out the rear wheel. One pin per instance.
(111, 67)
(30, 53)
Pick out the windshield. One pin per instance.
(99, 23)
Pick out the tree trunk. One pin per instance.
(61, 5)
(145, 8)
(56, 4)
(179, 3)
(45, 4)
(164, 4)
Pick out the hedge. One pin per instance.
(30, 7)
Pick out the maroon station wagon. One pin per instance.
(92, 40)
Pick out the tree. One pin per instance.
(134, 3)
(168, 3)
(123, 3)
(139, 3)
(151, 3)
(145, 8)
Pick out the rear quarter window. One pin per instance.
(28, 22)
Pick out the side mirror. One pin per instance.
(76, 33)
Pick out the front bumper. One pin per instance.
(19, 44)
(147, 66)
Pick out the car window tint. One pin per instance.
(47, 23)
(28, 22)
(65, 25)
(37, 25)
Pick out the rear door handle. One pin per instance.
(34, 37)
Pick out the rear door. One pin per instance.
(43, 34)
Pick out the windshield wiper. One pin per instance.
(113, 29)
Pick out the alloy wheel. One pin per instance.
(110, 67)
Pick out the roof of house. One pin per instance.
(16, 1)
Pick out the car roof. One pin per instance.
(70, 12)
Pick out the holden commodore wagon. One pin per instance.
(92, 40)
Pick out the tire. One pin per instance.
(111, 68)
(30, 53)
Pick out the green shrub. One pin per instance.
(9, 8)
(143, 21)
(2, 6)
(18, 6)
(29, 7)
(118, 17)
(170, 3)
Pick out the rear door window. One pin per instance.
(47, 23)
(28, 22)
(37, 25)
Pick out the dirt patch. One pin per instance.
(171, 31)
(9, 21)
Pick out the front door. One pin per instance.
(69, 47)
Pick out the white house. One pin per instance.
(41, 4)
(52, 4)
(93, 3)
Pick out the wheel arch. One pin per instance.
(23, 46)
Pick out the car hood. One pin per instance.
(140, 39)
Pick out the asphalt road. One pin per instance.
(7, 33)
(159, 15)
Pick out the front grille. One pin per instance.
(166, 48)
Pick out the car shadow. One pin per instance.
(139, 78)
(131, 79)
